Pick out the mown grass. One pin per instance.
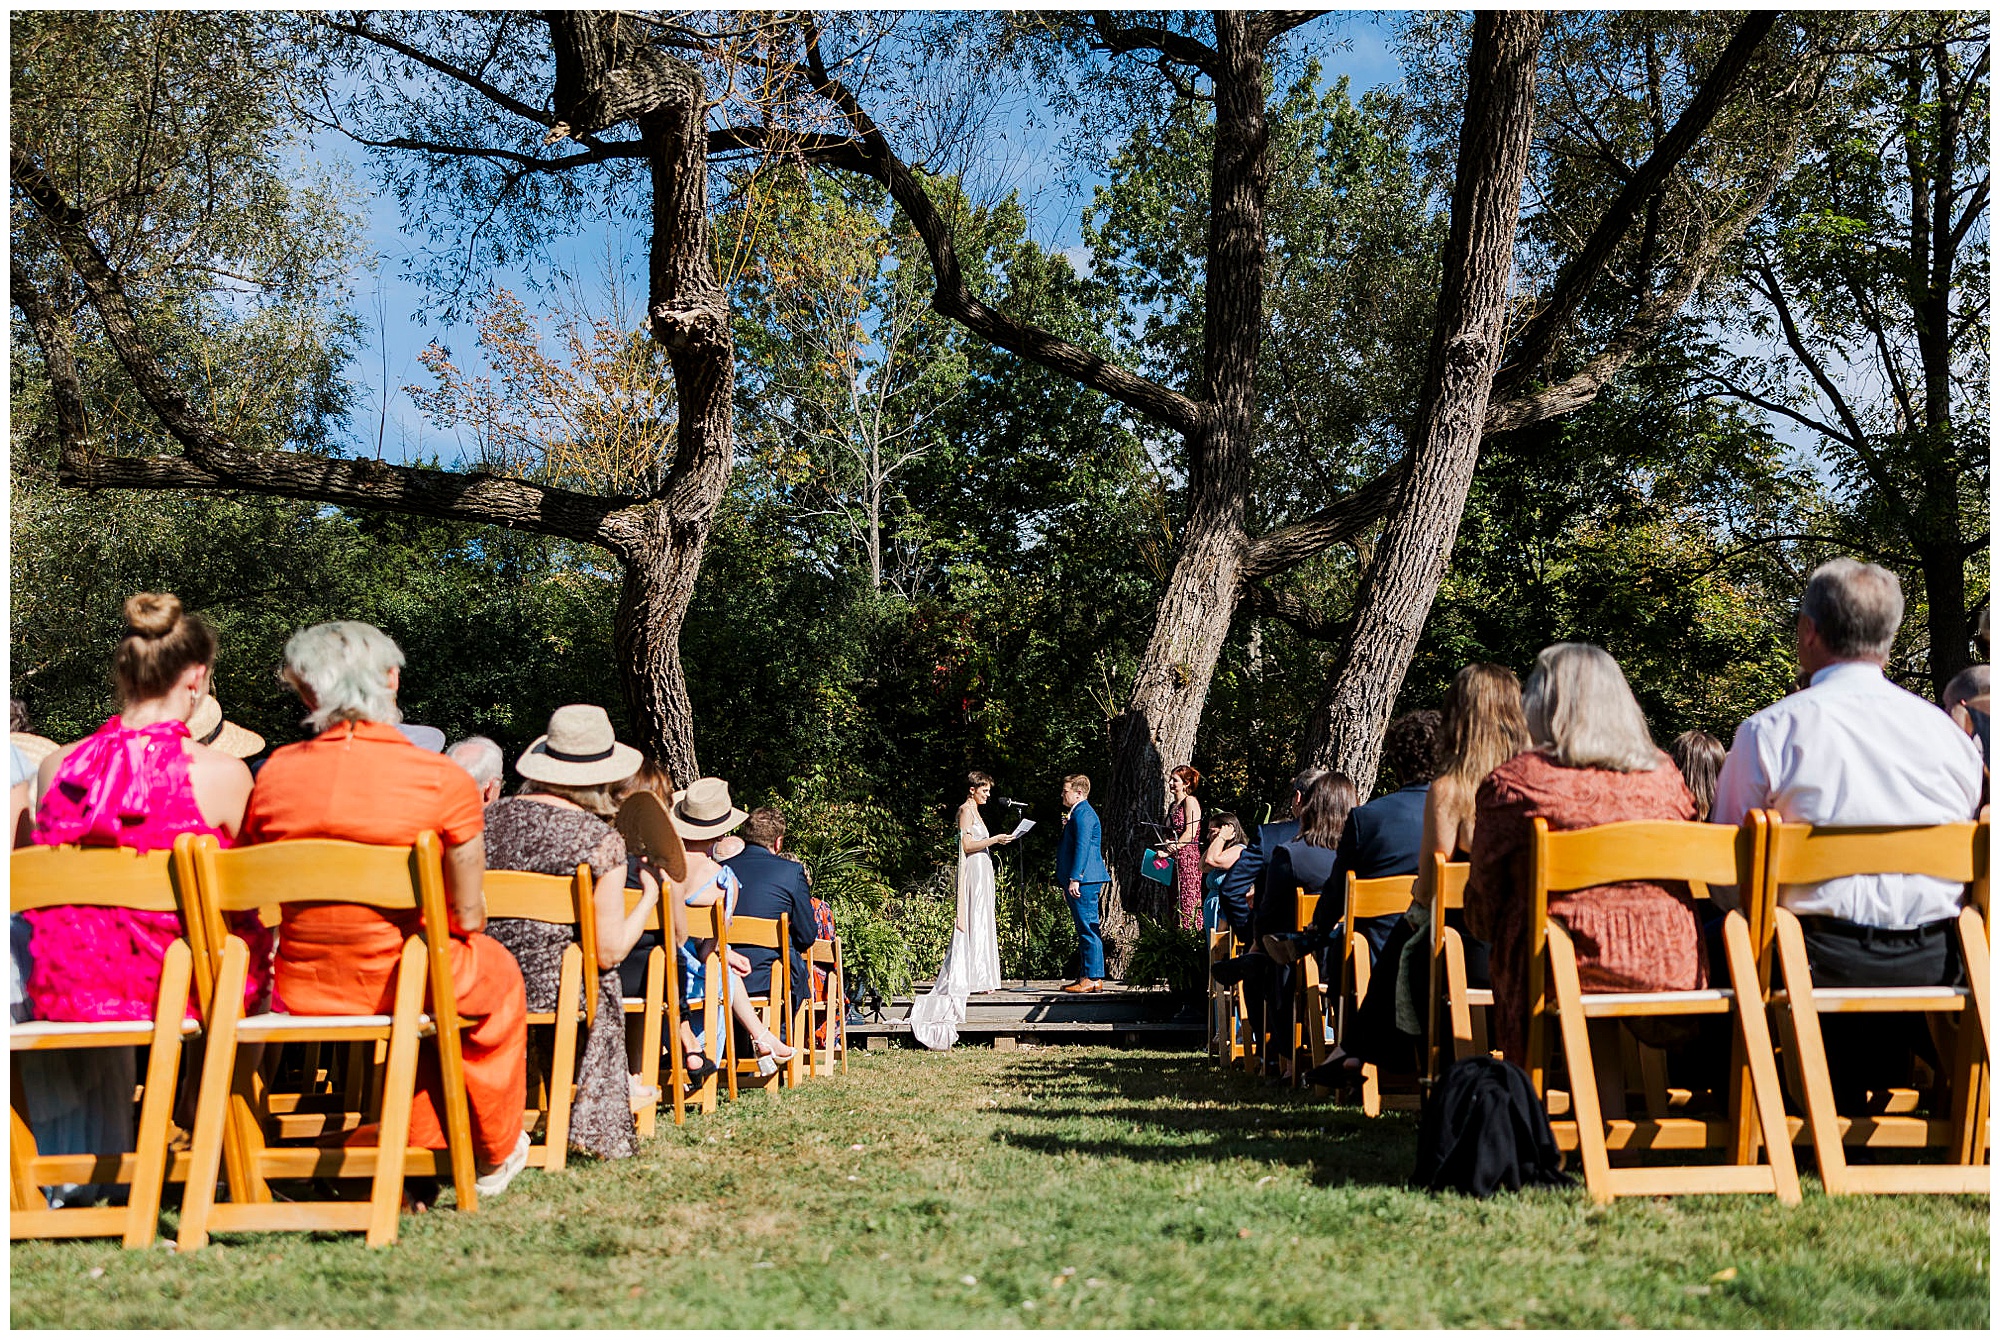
(1063, 1187)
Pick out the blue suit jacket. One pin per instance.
(774, 884)
(1383, 837)
(1081, 855)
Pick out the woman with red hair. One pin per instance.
(1184, 821)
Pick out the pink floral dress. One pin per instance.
(120, 788)
(1187, 871)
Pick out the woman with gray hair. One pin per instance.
(1594, 762)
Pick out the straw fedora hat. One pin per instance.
(34, 747)
(703, 810)
(649, 831)
(208, 726)
(580, 749)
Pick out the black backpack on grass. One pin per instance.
(1484, 1129)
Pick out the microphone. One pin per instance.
(1012, 804)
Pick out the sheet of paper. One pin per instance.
(1022, 827)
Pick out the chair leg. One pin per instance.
(22, 1193)
(649, 1039)
(1753, 1040)
(1821, 1117)
(163, 1065)
(212, 1116)
(1463, 1042)
(399, 1088)
(1582, 1069)
(1972, 1066)
(562, 1061)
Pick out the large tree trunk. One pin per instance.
(1156, 733)
(1399, 586)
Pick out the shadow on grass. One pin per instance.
(1182, 1108)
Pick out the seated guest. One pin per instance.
(774, 884)
(1593, 763)
(1853, 749)
(1968, 699)
(1382, 838)
(1699, 757)
(359, 779)
(1236, 891)
(1307, 860)
(1225, 849)
(561, 820)
(703, 815)
(138, 782)
(482, 759)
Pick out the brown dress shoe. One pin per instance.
(1083, 986)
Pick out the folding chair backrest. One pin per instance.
(757, 932)
(1384, 897)
(1805, 854)
(323, 870)
(554, 900)
(1449, 880)
(1307, 905)
(154, 881)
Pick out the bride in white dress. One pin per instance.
(972, 963)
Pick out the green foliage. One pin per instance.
(1168, 956)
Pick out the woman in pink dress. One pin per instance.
(1184, 819)
(138, 782)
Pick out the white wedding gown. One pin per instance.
(972, 963)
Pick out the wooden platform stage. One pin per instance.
(1042, 1012)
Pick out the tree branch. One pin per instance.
(1574, 284)
(212, 461)
(497, 96)
(1826, 430)
(843, 152)
(1289, 546)
(1114, 38)
(954, 299)
(1288, 609)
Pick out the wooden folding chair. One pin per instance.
(1224, 1039)
(709, 923)
(1455, 1024)
(555, 900)
(1366, 898)
(1312, 1005)
(659, 1014)
(832, 1007)
(106, 877)
(1655, 850)
(1804, 854)
(774, 1005)
(231, 1120)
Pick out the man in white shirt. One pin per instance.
(1851, 748)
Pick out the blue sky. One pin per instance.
(398, 313)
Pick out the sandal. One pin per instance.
(769, 1055)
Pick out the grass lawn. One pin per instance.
(1060, 1187)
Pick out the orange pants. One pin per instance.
(348, 966)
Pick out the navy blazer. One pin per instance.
(775, 885)
(1081, 855)
(1234, 889)
(1291, 865)
(1383, 837)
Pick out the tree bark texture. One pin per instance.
(603, 76)
(1410, 560)
(1156, 732)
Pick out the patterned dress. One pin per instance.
(1639, 936)
(1187, 871)
(523, 834)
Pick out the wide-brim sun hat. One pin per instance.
(580, 749)
(703, 810)
(34, 748)
(208, 726)
(649, 831)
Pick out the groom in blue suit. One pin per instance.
(1081, 873)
